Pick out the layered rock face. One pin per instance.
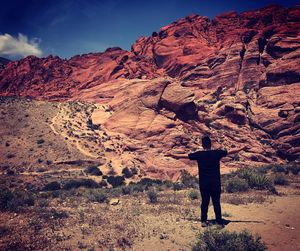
(236, 77)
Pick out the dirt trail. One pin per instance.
(277, 222)
(71, 123)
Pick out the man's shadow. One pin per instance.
(226, 222)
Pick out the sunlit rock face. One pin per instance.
(236, 77)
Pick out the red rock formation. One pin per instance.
(236, 76)
(3, 62)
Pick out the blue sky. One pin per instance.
(69, 27)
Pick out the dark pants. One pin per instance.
(215, 196)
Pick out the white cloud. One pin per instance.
(19, 46)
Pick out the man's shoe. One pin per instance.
(204, 224)
(220, 222)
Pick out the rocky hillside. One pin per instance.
(3, 62)
(236, 77)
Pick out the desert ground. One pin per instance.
(44, 143)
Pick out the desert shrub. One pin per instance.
(43, 202)
(10, 172)
(168, 183)
(55, 194)
(10, 155)
(255, 179)
(88, 183)
(49, 162)
(278, 169)
(127, 172)
(52, 186)
(264, 169)
(115, 181)
(193, 195)
(97, 195)
(114, 192)
(41, 170)
(280, 180)
(294, 168)
(152, 195)
(40, 141)
(126, 190)
(13, 200)
(214, 239)
(150, 182)
(236, 185)
(260, 182)
(188, 180)
(137, 187)
(93, 170)
(134, 170)
(92, 126)
(103, 183)
(178, 186)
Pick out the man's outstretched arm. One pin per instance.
(177, 155)
(238, 149)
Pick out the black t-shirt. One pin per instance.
(209, 167)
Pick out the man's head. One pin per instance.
(206, 142)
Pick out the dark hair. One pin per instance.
(206, 141)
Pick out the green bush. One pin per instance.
(255, 179)
(294, 168)
(115, 181)
(178, 186)
(103, 183)
(52, 186)
(279, 169)
(126, 190)
(87, 183)
(194, 195)
(260, 182)
(13, 200)
(127, 173)
(97, 195)
(188, 180)
(152, 195)
(264, 169)
(236, 185)
(40, 141)
(136, 187)
(280, 180)
(150, 182)
(93, 170)
(223, 240)
(134, 170)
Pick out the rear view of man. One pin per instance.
(210, 178)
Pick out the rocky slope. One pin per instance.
(236, 77)
(3, 62)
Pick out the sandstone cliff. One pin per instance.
(236, 77)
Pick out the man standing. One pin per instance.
(209, 177)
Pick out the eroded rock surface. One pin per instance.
(236, 77)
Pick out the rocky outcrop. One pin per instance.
(235, 77)
(53, 78)
(3, 62)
